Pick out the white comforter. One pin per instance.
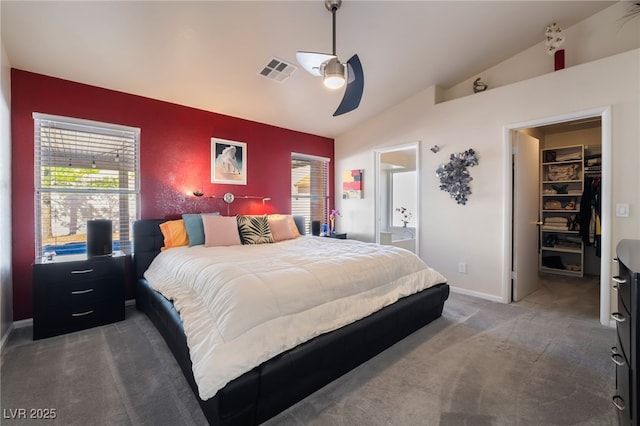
(242, 305)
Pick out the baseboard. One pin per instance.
(23, 323)
(14, 325)
(6, 337)
(29, 323)
(475, 294)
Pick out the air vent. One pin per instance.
(278, 70)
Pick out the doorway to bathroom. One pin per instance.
(397, 189)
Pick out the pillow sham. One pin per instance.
(254, 229)
(195, 230)
(292, 223)
(220, 231)
(280, 227)
(174, 233)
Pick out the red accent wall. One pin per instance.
(175, 150)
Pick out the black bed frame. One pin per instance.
(289, 377)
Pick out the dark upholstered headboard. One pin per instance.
(148, 239)
(299, 220)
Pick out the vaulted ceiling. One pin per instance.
(209, 54)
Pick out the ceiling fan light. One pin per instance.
(334, 74)
(333, 82)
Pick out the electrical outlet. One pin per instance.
(462, 268)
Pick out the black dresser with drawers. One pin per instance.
(627, 318)
(72, 293)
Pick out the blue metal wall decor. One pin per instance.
(454, 176)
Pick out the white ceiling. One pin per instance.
(208, 54)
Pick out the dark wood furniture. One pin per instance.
(338, 236)
(72, 293)
(627, 318)
(290, 376)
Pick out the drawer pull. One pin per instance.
(89, 290)
(81, 314)
(619, 280)
(614, 349)
(618, 317)
(83, 271)
(617, 359)
(619, 403)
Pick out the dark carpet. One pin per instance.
(543, 361)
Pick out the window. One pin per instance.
(83, 170)
(310, 188)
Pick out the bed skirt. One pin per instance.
(291, 376)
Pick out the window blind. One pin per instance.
(310, 188)
(84, 170)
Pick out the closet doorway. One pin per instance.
(592, 130)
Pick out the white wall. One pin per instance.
(451, 233)
(590, 138)
(604, 34)
(6, 293)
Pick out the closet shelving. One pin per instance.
(561, 189)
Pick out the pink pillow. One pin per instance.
(281, 228)
(220, 231)
(292, 223)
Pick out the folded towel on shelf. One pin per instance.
(556, 220)
(552, 204)
(555, 228)
(568, 156)
(563, 172)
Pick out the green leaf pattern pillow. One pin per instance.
(254, 229)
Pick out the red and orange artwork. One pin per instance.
(352, 184)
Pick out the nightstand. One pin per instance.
(71, 293)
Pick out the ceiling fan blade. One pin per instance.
(355, 87)
(311, 61)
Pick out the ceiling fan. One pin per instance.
(333, 72)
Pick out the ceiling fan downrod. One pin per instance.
(333, 6)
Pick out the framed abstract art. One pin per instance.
(352, 184)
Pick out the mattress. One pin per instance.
(242, 305)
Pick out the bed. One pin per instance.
(287, 377)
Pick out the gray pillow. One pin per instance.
(195, 229)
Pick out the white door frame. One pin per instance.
(606, 214)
